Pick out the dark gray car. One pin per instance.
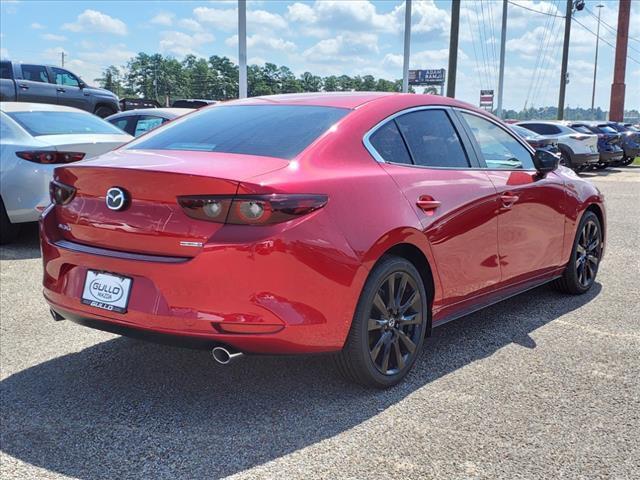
(35, 83)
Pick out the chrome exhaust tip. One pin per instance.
(224, 356)
(56, 316)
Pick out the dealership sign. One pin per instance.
(486, 99)
(427, 77)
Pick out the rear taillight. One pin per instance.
(251, 209)
(60, 193)
(50, 156)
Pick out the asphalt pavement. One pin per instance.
(541, 386)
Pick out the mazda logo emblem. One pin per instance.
(116, 198)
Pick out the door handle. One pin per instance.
(24, 86)
(508, 199)
(60, 90)
(427, 203)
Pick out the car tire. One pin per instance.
(387, 332)
(565, 161)
(580, 273)
(8, 231)
(104, 112)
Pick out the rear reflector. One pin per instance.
(251, 209)
(50, 157)
(60, 193)
(247, 328)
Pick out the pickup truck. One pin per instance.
(25, 82)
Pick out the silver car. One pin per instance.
(34, 139)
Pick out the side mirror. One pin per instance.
(81, 84)
(545, 161)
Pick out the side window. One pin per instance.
(35, 73)
(389, 144)
(6, 132)
(542, 128)
(121, 123)
(500, 149)
(432, 139)
(146, 123)
(6, 70)
(581, 129)
(65, 78)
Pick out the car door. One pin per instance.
(68, 89)
(35, 86)
(531, 215)
(434, 166)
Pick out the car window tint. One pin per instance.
(61, 123)
(146, 123)
(581, 129)
(499, 148)
(606, 129)
(281, 131)
(542, 128)
(65, 78)
(388, 142)
(432, 140)
(35, 73)
(6, 70)
(121, 123)
(6, 132)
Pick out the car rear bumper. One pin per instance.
(632, 152)
(306, 290)
(610, 157)
(583, 159)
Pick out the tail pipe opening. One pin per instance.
(224, 355)
(56, 316)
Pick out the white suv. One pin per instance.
(579, 151)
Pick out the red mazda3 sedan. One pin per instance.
(349, 223)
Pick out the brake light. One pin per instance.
(50, 156)
(60, 193)
(251, 209)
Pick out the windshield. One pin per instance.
(281, 131)
(62, 123)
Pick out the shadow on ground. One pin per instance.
(125, 409)
(25, 246)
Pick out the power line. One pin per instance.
(534, 10)
(475, 54)
(613, 29)
(541, 49)
(603, 40)
(549, 52)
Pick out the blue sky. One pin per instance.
(335, 37)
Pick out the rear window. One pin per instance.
(281, 131)
(606, 129)
(581, 129)
(61, 123)
(542, 128)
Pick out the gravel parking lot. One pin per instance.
(542, 385)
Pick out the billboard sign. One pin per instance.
(486, 99)
(427, 77)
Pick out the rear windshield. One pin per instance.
(606, 129)
(281, 131)
(581, 129)
(62, 123)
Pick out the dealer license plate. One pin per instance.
(106, 291)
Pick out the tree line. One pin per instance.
(165, 78)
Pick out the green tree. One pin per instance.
(310, 82)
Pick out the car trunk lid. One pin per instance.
(152, 221)
(91, 145)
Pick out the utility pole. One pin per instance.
(242, 48)
(565, 59)
(616, 107)
(503, 39)
(62, 55)
(407, 46)
(595, 65)
(453, 48)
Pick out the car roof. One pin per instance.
(158, 112)
(350, 100)
(36, 107)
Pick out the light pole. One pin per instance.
(242, 49)
(595, 65)
(571, 4)
(453, 48)
(407, 46)
(503, 39)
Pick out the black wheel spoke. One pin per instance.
(401, 289)
(407, 341)
(379, 303)
(412, 300)
(376, 349)
(391, 292)
(399, 356)
(375, 324)
(386, 355)
(413, 319)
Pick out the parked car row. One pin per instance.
(586, 144)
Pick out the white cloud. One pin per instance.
(259, 41)
(423, 59)
(37, 26)
(190, 24)
(180, 43)
(163, 18)
(4, 53)
(227, 19)
(342, 49)
(93, 21)
(52, 37)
